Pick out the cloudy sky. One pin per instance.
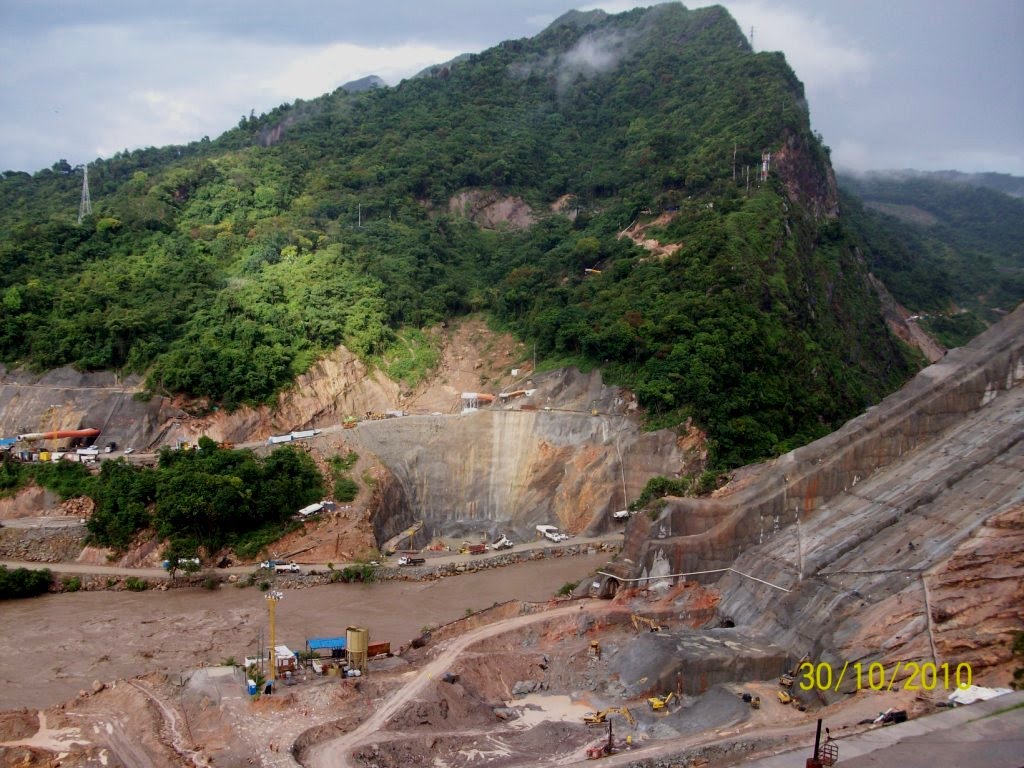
(926, 84)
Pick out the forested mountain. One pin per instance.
(225, 267)
(944, 246)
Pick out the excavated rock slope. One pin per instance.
(335, 386)
(864, 524)
(571, 464)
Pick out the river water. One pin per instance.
(53, 646)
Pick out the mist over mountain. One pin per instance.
(639, 192)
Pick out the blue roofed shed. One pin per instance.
(336, 645)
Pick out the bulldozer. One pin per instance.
(600, 718)
(660, 703)
(642, 621)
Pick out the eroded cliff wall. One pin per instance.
(508, 470)
(763, 501)
(896, 538)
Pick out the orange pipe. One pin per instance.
(59, 433)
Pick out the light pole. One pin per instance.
(272, 597)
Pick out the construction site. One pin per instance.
(862, 580)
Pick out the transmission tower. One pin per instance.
(85, 207)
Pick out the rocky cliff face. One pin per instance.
(767, 498)
(508, 469)
(853, 533)
(336, 386)
(68, 399)
(809, 180)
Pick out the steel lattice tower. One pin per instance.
(85, 207)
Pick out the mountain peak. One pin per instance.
(367, 83)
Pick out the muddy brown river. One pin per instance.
(53, 646)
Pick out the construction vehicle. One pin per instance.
(659, 703)
(502, 543)
(551, 533)
(600, 718)
(472, 549)
(643, 621)
(595, 650)
(786, 680)
(755, 702)
(409, 560)
(784, 697)
(604, 748)
(350, 422)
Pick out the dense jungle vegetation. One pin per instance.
(210, 498)
(944, 247)
(222, 269)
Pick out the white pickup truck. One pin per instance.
(551, 533)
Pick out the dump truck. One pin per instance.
(472, 549)
(502, 543)
(291, 567)
(409, 560)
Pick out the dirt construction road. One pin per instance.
(335, 753)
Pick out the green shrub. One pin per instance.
(70, 584)
(211, 583)
(363, 573)
(343, 463)
(135, 584)
(567, 588)
(345, 489)
(661, 486)
(24, 582)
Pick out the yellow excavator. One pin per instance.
(659, 703)
(642, 621)
(599, 718)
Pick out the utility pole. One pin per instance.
(272, 597)
(85, 206)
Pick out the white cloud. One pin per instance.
(822, 56)
(172, 85)
(853, 155)
(541, 21)
(309, 72)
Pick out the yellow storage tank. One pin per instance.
(357, 640)
(44, 455)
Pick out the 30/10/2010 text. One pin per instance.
(926, 676)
